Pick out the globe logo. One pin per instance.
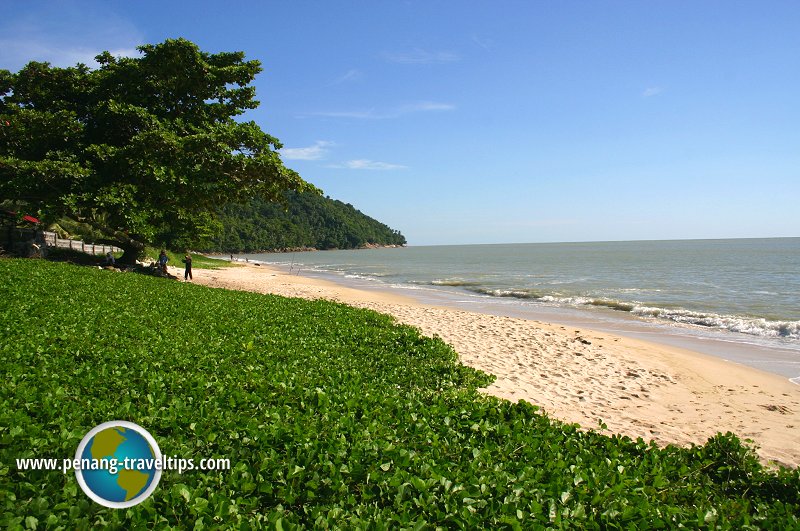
(120, 464)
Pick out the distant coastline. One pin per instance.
(304, 250)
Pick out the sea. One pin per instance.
(738, 299)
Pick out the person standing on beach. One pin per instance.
(188, 261)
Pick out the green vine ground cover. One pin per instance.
(332, 417)
(199, 261)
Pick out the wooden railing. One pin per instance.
(51, 239)
(10, 236)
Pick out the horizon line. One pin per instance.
(609, 241)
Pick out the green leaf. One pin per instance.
(68, 367)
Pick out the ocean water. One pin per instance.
(744, 291)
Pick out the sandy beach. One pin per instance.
(638, 389)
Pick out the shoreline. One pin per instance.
(754, 352)
(637, 388)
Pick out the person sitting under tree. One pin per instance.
(162, 261)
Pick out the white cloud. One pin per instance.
(48, 35)
(425, 106)
(396, 112)
(366, 164)
(370, 114)
(652, 91)
(315, 152)
(349, 76)
(19, 53)
(420, 56)
(483, 42)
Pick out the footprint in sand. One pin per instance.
(783, 410)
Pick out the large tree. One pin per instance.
(140, 146)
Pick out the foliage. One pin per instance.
(139, 146)
(71, 229)
(305, 220)
(198, 260)
(74, 256)
(333, 417)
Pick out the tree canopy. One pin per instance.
(140, 146)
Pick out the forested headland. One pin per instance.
(306, 220)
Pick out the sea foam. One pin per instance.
(733, 323)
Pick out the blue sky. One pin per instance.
(490, 122)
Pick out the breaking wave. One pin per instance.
(514, 293)
(733, 323)
(454, 282)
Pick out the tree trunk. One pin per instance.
(131, 251)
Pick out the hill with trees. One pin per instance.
(304, 220)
